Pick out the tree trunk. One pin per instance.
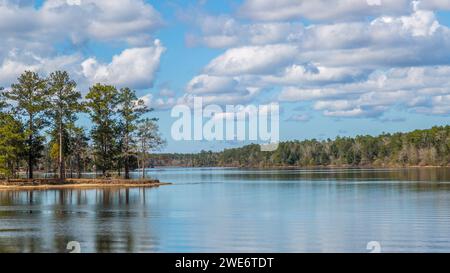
(78, 166)
(126, 161)
(143, 167)
(30, 152)
(62, 171)
(127, 168)
(71, 166)
(143, 159)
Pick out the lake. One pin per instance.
(234, 210)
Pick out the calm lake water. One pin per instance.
(231, 210)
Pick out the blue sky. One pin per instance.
(336, 67)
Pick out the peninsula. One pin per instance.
(46, 184)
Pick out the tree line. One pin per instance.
(418, 148)
(38, 128)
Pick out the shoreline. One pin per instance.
(338, 167)
(55, 184)
(330, 167)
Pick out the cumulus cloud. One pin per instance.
(330, 10)
(420, 89)
(393, 56)
(15, 63)
(391, 41)
(206, 84)
(160, 102)
(134, 67)
(55, 35)
(129, 19)
(56, 20)
(240, 95)
(252, 60)
(225, 31)
(310, 74)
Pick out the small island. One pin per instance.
(39, 134)
(46, 184)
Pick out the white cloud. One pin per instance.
(326, 10)
(206, 84)
(358, 68)
(241, 95)
(15, 64)
(310, 74)
(417, 39)
(220, 90)
(55, 36)
(441, 106)
(159, 102)
(133, 20)
(252, 60)
(225, 31)
(134, 68)
(420, 89)
(56, 20)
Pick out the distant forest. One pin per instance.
(418, 148)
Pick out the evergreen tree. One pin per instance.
(102, 101)
(64, 106)
(11, 141)
(79, 144)
(130, 111)
(30, 101)
(11, 144)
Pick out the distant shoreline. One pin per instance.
(301, 167)
(48, 184)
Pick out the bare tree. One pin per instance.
(148, 139)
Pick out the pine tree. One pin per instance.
(130, 111)
(30, 101)
(11, 141)
(64, 106)
(102, 101)
(79, 144)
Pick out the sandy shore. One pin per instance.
(47, 184)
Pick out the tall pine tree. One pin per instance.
(130, 110)
(30, 101)
(101, 102)
(64, 106)
(11, 140)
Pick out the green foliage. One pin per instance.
(64, 98)
(11, 144)
(130, 110)
(79, 144)
(34, 106)
(418, 148)
(3, 103)
(101, 103)
(64, 104)
(30, 101)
